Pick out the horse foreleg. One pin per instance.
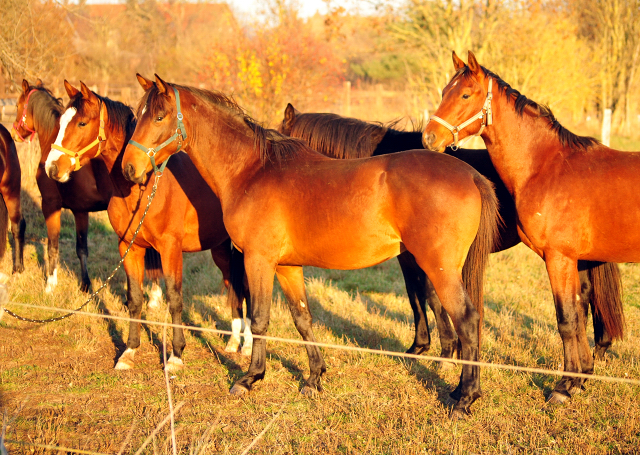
(292, 282)
(260, 278)
(18, 228)
(52, 220)
(172, 266)
(570, 314)
(134, 268)
(82, 248)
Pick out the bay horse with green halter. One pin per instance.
(576, 198)
(10, 208)
(88, 190)
(343, 137)
(185, 214)
(286, 206)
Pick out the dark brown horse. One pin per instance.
(286, 206)
(342, 137)
(39, 111)
(185, 214)
(576, 199)
(10, 209)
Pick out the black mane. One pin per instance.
(521, 103)
(270, 144)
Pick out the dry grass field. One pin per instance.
(58, 386)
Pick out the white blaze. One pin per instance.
(64, 122)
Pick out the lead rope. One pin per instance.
(92, 296)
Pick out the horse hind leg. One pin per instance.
(13, 211)
(292, 282)
(82, 248)
(173, 281)
(448, 285)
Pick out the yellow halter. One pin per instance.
(98, 141)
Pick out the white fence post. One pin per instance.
(606, 128)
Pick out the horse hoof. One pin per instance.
(246, 350)
(123, 365)
(174, 364)
(237, 390)
(457, 414)
(309, 392)
(233, 345)
(599, 353)
(557, 398)
(575, 390)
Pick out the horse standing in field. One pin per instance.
(185, 214)
(286, 206)
(89, 190)
(342, 137)
(10, 208)
(576, 198)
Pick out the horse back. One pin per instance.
(11, 178)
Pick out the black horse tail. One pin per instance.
(4, 226)
(474, 265)
(606, 298)
(153, 265)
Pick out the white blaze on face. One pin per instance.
(144, 109)
(54, 155)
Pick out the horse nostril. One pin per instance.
(129, 172)
(428, 140)
(53, 171)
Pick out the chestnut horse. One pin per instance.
(10, 209)
(185, 214)
(90, 189)
(343, 137)
(576, 199)
(286, 206)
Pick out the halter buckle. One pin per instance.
(180, 116)
(151, 152)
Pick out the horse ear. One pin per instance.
(289, 114)
(457, 61)
(144, 82)
(39, 83)
(473, 63)
(87, 94)
(162, 85)
(25, 86)
(71, 90)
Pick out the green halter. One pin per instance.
(180, 135)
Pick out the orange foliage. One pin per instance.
(274, 66)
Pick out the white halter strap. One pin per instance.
(488, 120)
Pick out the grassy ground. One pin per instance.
(58, 385)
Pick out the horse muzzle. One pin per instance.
(129, 172)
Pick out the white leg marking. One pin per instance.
(234, 341)
(126, 361)
(52, 282)
(247, 346)
(155, 296)
(174, 364)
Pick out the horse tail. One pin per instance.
(486, 237)
(153, 265)
(606, 297)
(4, 226)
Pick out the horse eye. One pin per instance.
(81, 124)
(465, 96)
(159, 118)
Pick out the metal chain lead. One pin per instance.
(95, 293)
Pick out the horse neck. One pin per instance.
(112, 156)
(519, 145)
(398, 141)
(223, 155)
(46, 139)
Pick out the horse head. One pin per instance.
(81, 134)
(465, 109)
(159, 133)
